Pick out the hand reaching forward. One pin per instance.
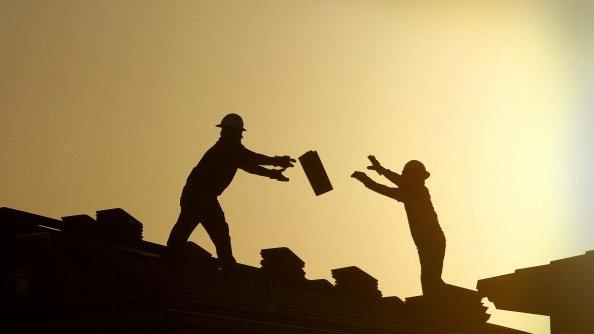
(375, 165)
(277, 174)
(285, 161)
(360, 176)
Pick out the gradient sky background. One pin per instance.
(110, 104)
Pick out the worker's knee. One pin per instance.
(186, 223)
(221, 236)
(218, 230)
(223, 229)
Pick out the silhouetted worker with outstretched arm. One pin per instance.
(422, 219)
(211, 176)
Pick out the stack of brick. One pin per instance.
(354, 283)
(456, 306)
(281, 264)
(84, 226)
(120, 227)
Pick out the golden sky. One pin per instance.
(110, 104)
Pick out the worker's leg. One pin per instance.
(218, 230)
(186, 223)
(191, 207)
(431, 258)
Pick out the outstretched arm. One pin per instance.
(377, 187)
(388, 174)
(392, 176)
(261, 159)
(276, 174)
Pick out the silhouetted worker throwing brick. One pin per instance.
(422, 219)
(209, 179)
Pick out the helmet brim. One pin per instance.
(422, 175)
(231, 127)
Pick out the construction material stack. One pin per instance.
(281, 264)
(121, 228)
(354, 283)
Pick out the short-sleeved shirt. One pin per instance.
(422, 219)
(215, 171)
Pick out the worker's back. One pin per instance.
(215, 171)
(422, 219)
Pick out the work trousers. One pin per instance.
(431, 257)
(198, 207)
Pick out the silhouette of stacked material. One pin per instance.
(85, 226)
(562, 290)
(120, 226)
(315, 172)
(53, 282)
(15, 222)
(353, 282)
(456, 306)
(320, 285)
(282, 264)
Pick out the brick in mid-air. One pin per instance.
(315, 172)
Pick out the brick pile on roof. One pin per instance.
(58, 277)
(354, 283)
(281, 264)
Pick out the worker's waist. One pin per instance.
(197, 190)
(427, 235)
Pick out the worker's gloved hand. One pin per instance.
(285, 161)
(375, 165)
(277, 174)
(360, 176)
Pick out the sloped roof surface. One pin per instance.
(81, 276)
(563, 283)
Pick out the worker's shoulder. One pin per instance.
(222, 149)
(418, 192)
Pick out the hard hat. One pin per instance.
(415, 169)
(232, 121)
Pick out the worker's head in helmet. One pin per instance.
(414, 172)
(231, 127)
